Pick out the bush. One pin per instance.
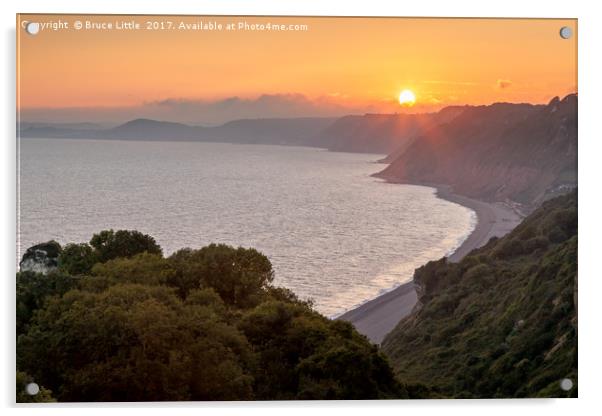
(536, 243)
(509, 248)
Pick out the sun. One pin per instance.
(407, 98)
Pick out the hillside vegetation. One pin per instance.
(503, 321)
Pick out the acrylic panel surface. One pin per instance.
(295, 208)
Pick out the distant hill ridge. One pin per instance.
(369, 133)
(295, 131)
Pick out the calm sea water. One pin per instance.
(332, 232)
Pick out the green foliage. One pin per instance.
(239, 275)
(303, 355)
(200, 325)
(111, 244)
(144, 268)
(33, 289)
(77, 259)
(503, 321)
(508, 248)
(536, 243)
(133, 343)
(206, 297)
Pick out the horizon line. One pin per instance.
(192, 123)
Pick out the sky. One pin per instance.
(169, 70)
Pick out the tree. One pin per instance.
(33, 289)
(202, 324)
(135, 343)
(303, 355)
(239, 275)
(77, 259)
(144, 268)
(111, 244)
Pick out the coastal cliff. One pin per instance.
(381, 133)
(519, 152)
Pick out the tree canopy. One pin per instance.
(124, 323)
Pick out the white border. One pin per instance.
(590, 108)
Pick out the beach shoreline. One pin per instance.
(378, 316)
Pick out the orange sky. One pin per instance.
(338, 64)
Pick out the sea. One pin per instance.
(334, 234)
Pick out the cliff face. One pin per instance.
(381, 133)
(521, 152)
(503, 321)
